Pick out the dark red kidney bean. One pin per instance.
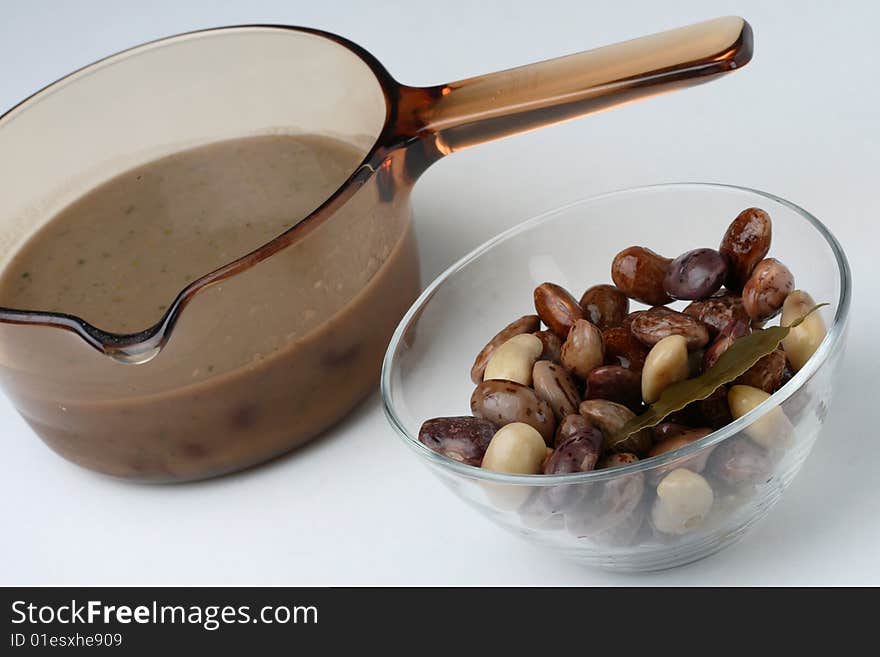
(660, 322)
(767, 373)
(744, 245)
(525, 324)
(502, 402)
(605, 305)
(578, 447)
(697, 274)
(735, 329)
(738, 461)
(557, 308)
(714, 411)
(552, 345)
(639, 272)
(617, 384)
(765, 291)
(462, 439)
(624, 349)
(716, 312)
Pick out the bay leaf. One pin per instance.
(739, 357)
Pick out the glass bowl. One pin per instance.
(603, 518)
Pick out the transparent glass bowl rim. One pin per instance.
(826, 349)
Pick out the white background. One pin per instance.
(355, 507)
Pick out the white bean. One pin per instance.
(516, 448)
(684, 499)
(667, 363)
(802, 340)
(772, 430)
(514, 359)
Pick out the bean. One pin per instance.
(667, 363)
(525, 324)
(658, 323)
(766, 290)
(630, 318)
(624, 349)
(697, 274)
(555, 386)
(614, 514)
(684, 499)
(737, 462)
(617, 459)
(605, 305)
(766, 374)
(736, 328)
(463, 439)
(714, 411)
(578, 446)
(583, 349)
(610, 418)
(515, 448)
(639, 273)
(617, 384)
(679, 440)
(802, 340)
(666, 430)
(718, 311)
(552, 345)
(770, 431)
(514, 360)
(695, 362)
(557, 308)
(745, 244)
(503, 402)
(695, 463)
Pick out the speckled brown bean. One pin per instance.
(503, 402)
(735, 329)
(610, 418)
(578, 447)
(717, 312)
(616, 384)
(552, 345)
(666, 430)
(583, 350)
(767, 373)
(639, 273)
(765, 291)
(605, 305)
(617, 459)
(630, 318)
(697, 274)
(695, 463)
(525, 324)
(737, 462)
(615, 512)
(745, 244)
(462, 439)
(680, 440)
(624, 349)
(660, 322)
(555, 386)
(557, 308)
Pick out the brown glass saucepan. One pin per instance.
(279, 341)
